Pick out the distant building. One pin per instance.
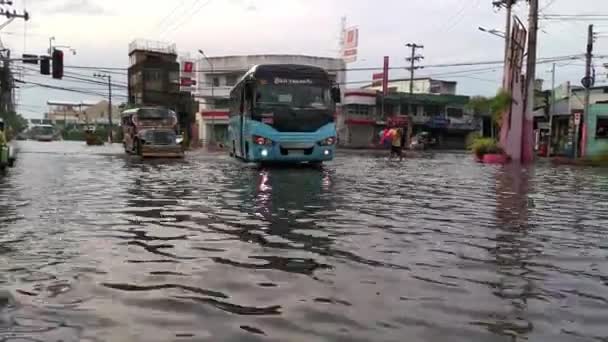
(69, 113)
(421, 86)
(217, 76)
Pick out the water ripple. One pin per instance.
(97, 246)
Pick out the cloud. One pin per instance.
(83, 7)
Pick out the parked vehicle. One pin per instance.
(151, 132)
(283, 113)
(422, 141)
(44, 133)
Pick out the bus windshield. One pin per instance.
(296, 96)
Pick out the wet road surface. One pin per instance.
(97, 246)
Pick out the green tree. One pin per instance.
(494, 106)
(14, 124)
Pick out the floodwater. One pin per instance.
(97, 246)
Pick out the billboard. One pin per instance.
(350, 44)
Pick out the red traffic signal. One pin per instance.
(58, 64)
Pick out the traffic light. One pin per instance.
(45, 65)
(58, 64)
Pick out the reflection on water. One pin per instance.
(97, 246)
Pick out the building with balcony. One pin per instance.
(217, 75)
(365, 113)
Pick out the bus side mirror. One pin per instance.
(336, 95)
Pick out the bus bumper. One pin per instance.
(154, 151)
(279, 154)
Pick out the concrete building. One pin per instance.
(154, 80)
(366, 112)
(421, 86)
(217, 75)
(153, 73)
(569, 102)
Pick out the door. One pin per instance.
(241, 131)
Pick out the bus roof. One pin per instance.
(284, 70)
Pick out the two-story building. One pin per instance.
(434, 107)
(592, 134)
(217, 75)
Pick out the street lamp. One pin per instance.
(109, 78)
(53, 47)
(212, 93)
(493, 32)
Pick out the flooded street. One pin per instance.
(97, 246)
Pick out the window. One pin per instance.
(216, 81)
(231, 80)
(455, 113)
(152, 75)
(601, 130)
(356, 109)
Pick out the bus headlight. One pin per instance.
(264, 153)
(261, 141)
(328, 142)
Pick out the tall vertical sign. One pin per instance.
(512, 130)
(350, 44)
(187, 74)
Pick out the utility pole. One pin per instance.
(587, 83)
(111, 126)
(530, 79)
(552, 111)
(413, 59)
(6, 78)
(212, 93)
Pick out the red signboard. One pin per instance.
(187, 82)
(378, 76)
(188, 67)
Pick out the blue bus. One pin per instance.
(283, 113)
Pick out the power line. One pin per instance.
(189, 17)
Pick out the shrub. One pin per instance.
(482, 146)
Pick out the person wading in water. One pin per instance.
(397, 143)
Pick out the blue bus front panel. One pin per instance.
(288, 146)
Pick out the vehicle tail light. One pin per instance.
(328, 142)
(258, 140)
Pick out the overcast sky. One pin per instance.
(100, 31)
